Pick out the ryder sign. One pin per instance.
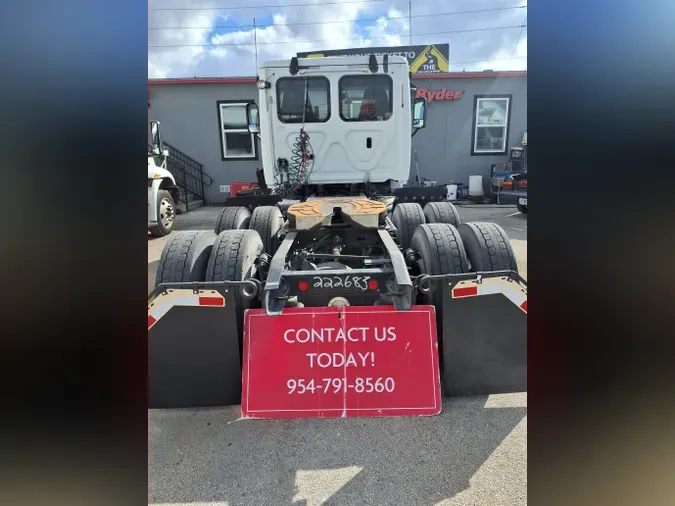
(341, 362)
(441, 94)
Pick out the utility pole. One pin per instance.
(410, 21)
(255, 43)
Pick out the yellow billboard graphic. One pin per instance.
(315, 55)
(429, 61)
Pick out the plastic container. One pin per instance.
(452, 191)
(476, 186)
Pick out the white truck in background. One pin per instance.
(162, 190)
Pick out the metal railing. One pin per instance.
(189, 174)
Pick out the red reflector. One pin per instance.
(372, 284)
(465, 292)
(523, 306)
(151, 321)
(303, 285)
(211, 301)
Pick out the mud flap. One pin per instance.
(193, 348)
(484, 337)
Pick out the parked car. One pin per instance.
(515, 192)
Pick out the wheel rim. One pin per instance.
(166, 213)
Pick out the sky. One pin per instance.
(214, 38)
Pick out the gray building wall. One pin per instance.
(189, 117)
(188, 114)
(444, 145)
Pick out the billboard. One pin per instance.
(424, 59)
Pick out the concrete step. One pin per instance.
(191, 205)
(190, 196)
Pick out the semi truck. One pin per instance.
(323, 294)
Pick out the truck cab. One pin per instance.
(162, 190)
(335, 121)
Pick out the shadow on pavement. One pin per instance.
(209, 456)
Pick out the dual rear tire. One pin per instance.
(445, 245)
(472, 247)
(266, 220)
(226, 254)
(204, 256)
(410, 215)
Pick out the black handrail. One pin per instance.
(189, 174)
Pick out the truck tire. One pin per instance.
(166, 214)
(233, 218)
(441, 251)
(232, 259)
(267, 220)
(441, 212)
(185, 257)
(406, 218)
(488, 247)
(233, 254)
(440, 248)
(522, 209)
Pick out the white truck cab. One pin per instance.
(162, 190)
(336, 120)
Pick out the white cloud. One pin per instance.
(503, 60)
(293, 29)
(155, 72)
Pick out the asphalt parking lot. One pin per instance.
(473, 453)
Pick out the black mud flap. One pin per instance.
(194, 350)
(484, 333)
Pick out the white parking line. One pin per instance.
(511, 214)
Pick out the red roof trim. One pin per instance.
(203, 80)
(234, 80)
(466, 75)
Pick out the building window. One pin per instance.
(236, 140)
(291, 97)
(366, 98)
(491, 124)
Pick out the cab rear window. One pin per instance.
(294, 92)
(366, 98)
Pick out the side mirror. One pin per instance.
(156, 136)
(252, 118)
(419, 108)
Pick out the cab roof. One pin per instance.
(335, 61)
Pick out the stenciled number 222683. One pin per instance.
(360, 282)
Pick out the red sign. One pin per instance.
(240, 187)
(441, 94)
(341, 362)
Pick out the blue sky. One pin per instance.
(220, 42)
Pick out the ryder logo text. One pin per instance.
(441, 94)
